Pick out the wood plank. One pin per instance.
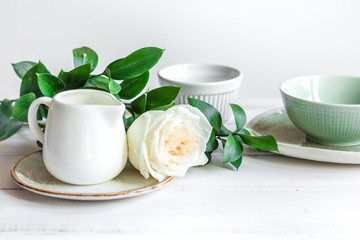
(308, 214)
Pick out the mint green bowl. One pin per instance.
(326, 108)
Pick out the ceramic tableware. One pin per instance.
(31, 174)
(84, 141)
(214, 84)
(326, 108)
(292, 141)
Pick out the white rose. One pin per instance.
(167, 143)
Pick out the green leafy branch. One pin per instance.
(232, 141)
(124, 78)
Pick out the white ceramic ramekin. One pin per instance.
(214, 84)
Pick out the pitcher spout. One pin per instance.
(90, 100)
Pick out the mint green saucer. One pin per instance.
(293, 142)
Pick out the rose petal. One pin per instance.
(146, 139)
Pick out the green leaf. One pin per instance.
(208, 155)
(132, 87)
(100, 82)
(164, 107)
(212, 144)
(237, 163)
(244, 131)
(114, 87)
(224, 131)
(128, 121)
(49, 84)
(161, 96)
(232, 150)
(30, 81)
(139, 104)
(39, 144)
(43, 111)
(21, 106)
(136, 63)
(76, 78)
(117, 97)
(21, 68)
(8, 126)
(239, 115)
(130, 110)
(267, 143)
(61, 74)
(108, 73)
(211, 113)
(238, 139)
(85, 55)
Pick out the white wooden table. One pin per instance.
(270, 197)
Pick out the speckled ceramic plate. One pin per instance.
(292, 142)
(31, 174)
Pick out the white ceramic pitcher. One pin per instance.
(85, 140)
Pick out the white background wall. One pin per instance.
(270, 41)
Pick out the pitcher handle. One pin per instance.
(32, 117)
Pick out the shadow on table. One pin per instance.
(27, 196)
